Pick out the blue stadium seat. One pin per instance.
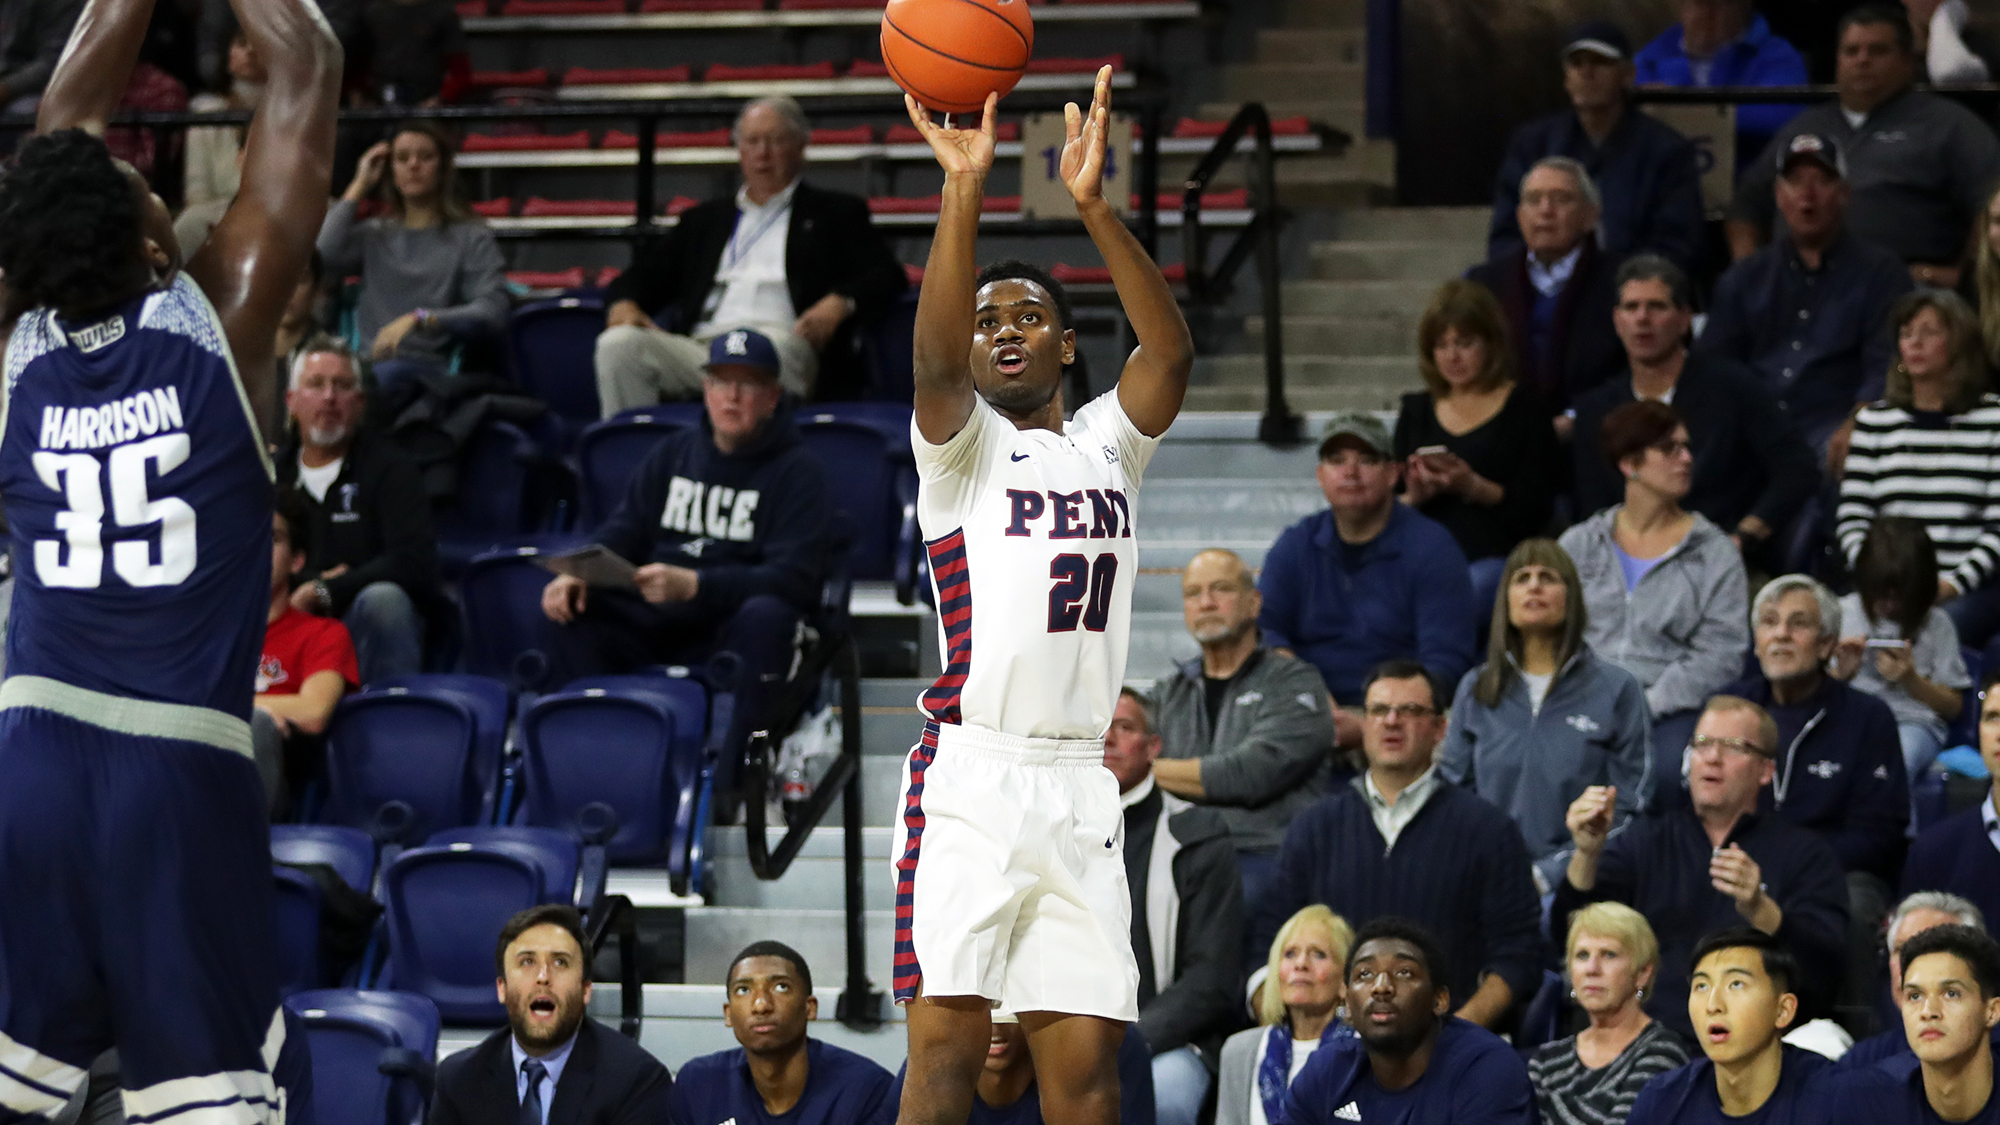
(373, 1054)
(491, 705)
(401, 765)
(510, 491)
(447, 900)
(687, 413)
(1965, 729)
(349, 851)
(501, 593)
(554, 345)
(296, 904)
(858, 457)
(608, 453)
(617, 760)
(892, 419)
(888, 353)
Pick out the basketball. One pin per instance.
(949, 54)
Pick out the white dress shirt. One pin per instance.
(750, 280)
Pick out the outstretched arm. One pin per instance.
(1156, 374)
(943, 344)
(90, 77)
(258, 252)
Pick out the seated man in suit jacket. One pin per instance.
(552, 1064)
(798, 263)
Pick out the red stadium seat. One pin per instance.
(1076, 66)
(494, 208)
(1001, 203)
(774, 72)
(859, 135)
(908, 135)
(537, 207)
(680, 203)
(472, 9)
(525, 142)
(899, 205)
(571, 278)
(1214, 200)
(825, 5)
(496, 79)
(667, 6)
(563, 8)
(1189, 127)
(606, 276)
(624, 75)
(1101, 275)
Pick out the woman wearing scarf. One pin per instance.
(1298, 1008)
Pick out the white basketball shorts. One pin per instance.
(1010, 881)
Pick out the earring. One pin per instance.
(1642, 994)
(1340, 1013)
(1572, 994)
(1630, 475)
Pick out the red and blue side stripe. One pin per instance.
(908, 974)
(953, 575)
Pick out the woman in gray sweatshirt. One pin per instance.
(431, 270)
(1665, 588)
(1544, 718)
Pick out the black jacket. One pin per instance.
(609, 1080)
(1202, 1001)
(1583, 348)
(376, 521)
(752, 522)
(831, 247)
(1749, 458)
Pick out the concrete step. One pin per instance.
(1451, 224)
(1301, 399)
(1340, 335)
(684, 1021)
(1303, 371)
(1320, 45)
(1365, 161)
(1275, 81)
(1235, 460)
(1176, 515)
(716, 933)
(1401, 299)
(1426, 260)
(816, 879)
(1344, 113)
(1160, 641)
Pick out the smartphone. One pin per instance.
(1432, 451)
(1883, 642)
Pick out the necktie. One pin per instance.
(531, 1102)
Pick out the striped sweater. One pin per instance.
(1941, 470)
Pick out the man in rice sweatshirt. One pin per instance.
(726, 524)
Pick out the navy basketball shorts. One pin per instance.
(136, 912)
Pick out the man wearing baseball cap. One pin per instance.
(725, 523)
(1918, 165)
(1810, 311)
(1369, 579)
(1644, 170)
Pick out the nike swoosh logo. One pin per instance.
(1017, 457)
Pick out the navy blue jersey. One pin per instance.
(139, 499)
(842, 1088)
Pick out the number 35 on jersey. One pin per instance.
(117, 485)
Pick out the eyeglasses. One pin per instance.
(1736, 747)
(1381, 711)
(1670, 448)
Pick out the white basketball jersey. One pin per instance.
(1033, 557)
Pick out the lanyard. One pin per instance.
(740, 247)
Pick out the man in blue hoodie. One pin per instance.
(1726, 43)
(725, 523)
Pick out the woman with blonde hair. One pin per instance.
(1981, 284)
(1478, 453)
(1298, 1009)
(1593, 1077)
(1930, 450)
(1514, 737)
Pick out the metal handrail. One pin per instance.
(614, 916)
(1279, 426)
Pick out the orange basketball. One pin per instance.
(949, 54)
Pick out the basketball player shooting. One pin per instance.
(133, 846)
(1011, 877)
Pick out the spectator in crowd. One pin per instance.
(551, 1052)
(431, 273)
(1955, 50)
(413, 52)
(1399, 840)
(1896, 645)
(1369, 579)
(307, 665)
(1187, 918)
(799, 263)
(1921, 911)
(1298, 1009)
(1726, 43)
(211, 165)
(1980, 284)
(1714, 862)
(1961, 853)
(1555, 286)
(1664, 587)
(1839, 765)
(372, 557)
(1951, 1005)
(1478, 454)
(778, 1073)
(729, 574)
(1410, 1059)
(1743, 994)
(33, 34)
(1924, 452)
(1920, 165)
(1245, 730)
(1006, 1093)
(1597, 731)
(1809, 311)
(1646, 171)
(1592, 1077)
(1752, 470)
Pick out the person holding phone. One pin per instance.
(1478, 454)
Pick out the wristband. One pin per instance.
(323, 597)
(423, 317)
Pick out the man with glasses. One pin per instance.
(1399, 840)
(724, 524)
(1714, 862)
(373, 556)
(1961, 853)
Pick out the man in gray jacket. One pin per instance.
(1245, 728)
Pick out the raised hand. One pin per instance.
(1732, 872)
(368, 172)
(1589, 817)
(1082, 163)
(959, 151)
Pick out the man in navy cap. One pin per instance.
(1645, 171)
(725, 523)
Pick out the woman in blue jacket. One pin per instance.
(1544, 718)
